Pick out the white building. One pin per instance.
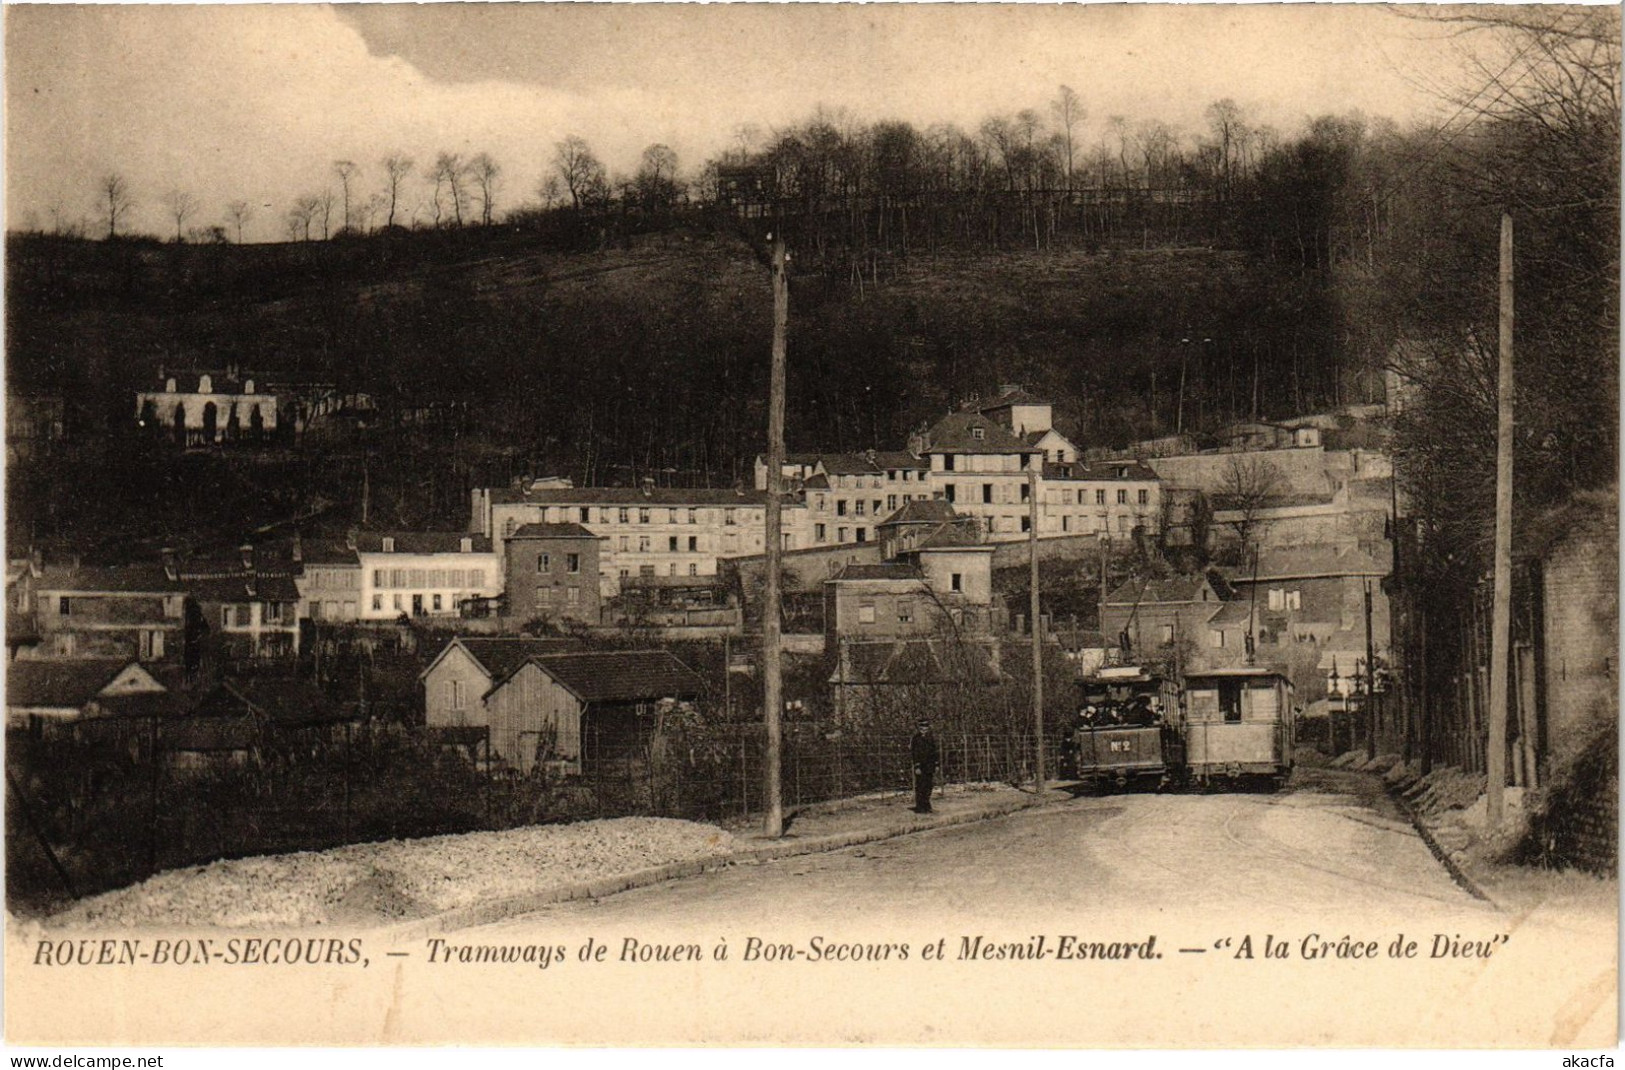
(207, 406)
(653, 531)
(425, 573)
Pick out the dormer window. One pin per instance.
(389, 544)
(978, 433)
(248, 387)
(468, 546)
(169, 386)
(205, 385)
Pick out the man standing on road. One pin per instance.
(922, 751)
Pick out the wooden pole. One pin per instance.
(1037, 624)
(772, 682)
(1369, 707)
(1501, 611)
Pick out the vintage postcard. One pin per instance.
(964, 525)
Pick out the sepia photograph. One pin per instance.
(963, 525)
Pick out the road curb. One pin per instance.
(499, 910)
(1457, 874)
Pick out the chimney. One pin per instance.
(298, 549)
(648, 486)
(247, 550)
(171, 570)
(350, 539)
(248, 586)
(869, 455)
(36, 560)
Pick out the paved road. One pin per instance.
(1205, 883)
(1329, 841)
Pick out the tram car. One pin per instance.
(1120, 735)
(1236, 726)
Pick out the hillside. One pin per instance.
(648, 357)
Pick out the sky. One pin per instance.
(254, 102)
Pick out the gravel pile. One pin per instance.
(379, 882)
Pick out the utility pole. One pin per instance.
(1037, 624)
(772, 681)
(1501, 609)
(1370, 681)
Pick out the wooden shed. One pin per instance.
(560, 709)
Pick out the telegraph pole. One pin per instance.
(1037, 625)
(1501, 609)
(772, 681)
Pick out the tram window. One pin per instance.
(1230, 700)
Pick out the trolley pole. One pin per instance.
(1501, 608)
(772, 680)
(1037, 626)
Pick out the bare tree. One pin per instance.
(346, 170)
(367, 211)
(116, 200)
(1245, 491)
(656, 180)
(181, 206)
(484, 171)
(579, 169)
(448, 174)
(239, 213)
(551, 191)
(324, 212)
(1069, 112)
(302, 216)
(396, 167)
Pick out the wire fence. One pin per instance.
(92, 812)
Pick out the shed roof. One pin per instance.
(65, 684)
(499, 656)
(621, 675)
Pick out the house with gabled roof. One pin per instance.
(1153, 614)
(457, 679)
(140, 611)
(565, 711)
(984, 471)
(44, 693)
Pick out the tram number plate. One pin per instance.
(1121, 746)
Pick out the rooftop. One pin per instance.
(1313, 562)
(422, 542)
(671, 496)
(243, 587)
(142, 578)
(1167, 589)
(1009, 394)
(888, 571)
(923, 511)
(59, 683)
(972, 432)
(1100, 470)
(552, 531)
(501, 655)
(621, 675)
